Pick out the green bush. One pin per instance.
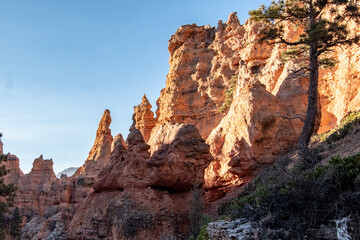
(229, 95)
(292, 201)
(346, 170)
(346, 125)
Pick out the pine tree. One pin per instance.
(196, 209)
(319, 36)
(15, 227)
(7, 195)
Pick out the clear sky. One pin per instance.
(62, 63)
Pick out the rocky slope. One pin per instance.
(140, 189)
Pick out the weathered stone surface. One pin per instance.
(251, 134)
(144, 118)
(52, 225)
(100, 152)
(132, 214)
(142, 183)
(239, 229)
(176, 165)
(13, 166)
(202, 61)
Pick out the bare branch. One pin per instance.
(300, 70)
(295, 116)
(282, 40)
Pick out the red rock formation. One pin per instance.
(144, 118)
(100, 152)
(175, 166)
(202, 61)
(132, 214)
(142, 189)
(138, 195)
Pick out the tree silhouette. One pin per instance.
(15, 226)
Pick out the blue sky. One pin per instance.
(62, 63)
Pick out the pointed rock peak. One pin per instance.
(102, 145)
(143, 118)
(118, 142)
(233, 21)
(1, 148)
(144, 103)
(144, 99)
(233, 17)
(104, 123)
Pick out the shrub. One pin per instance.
(291, 202)
(346, 170)
(229, 95)
(346, 125)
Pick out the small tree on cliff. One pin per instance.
(319, 36)
(7, 195)
(15, 226)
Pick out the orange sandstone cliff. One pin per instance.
(140, 189)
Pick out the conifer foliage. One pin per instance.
(324, 25)
(7, 195)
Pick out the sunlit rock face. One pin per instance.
(100, 152)
(144, 118)
(203, 59)
(140, 189)
(251, 132)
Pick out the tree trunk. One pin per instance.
(311, 111)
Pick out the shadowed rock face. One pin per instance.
(138, 195)
(175, 166)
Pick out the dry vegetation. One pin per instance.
(295, 201)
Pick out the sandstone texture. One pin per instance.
(143, 214)
(100, 152)
(202, 61)
(144, 118)
(141, 188)
(13, 166)
(175, 166)
(251, 132)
